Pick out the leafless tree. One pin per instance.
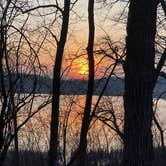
(53, 149)
(18, 62)
(86, 118)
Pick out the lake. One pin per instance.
(34, 136)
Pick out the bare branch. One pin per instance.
(40, 7)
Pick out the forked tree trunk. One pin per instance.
(139, 77)
(53, 147)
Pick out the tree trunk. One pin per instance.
(88, 103)
(53, 148)
(2, 91)
(16, 149)
(139, 77)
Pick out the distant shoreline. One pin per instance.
(43, 84)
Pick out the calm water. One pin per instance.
(35, 135)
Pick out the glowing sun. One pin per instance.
(83, 66)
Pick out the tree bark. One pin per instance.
(53, 148)
(139, 77)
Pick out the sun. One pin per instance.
(83, 66)
(83, 70)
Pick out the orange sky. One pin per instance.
(78, 68)
(77, 42)
(75, 62)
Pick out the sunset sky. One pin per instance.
(75, 62)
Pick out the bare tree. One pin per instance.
(86, 118)
(139, 76)
(18, 62)
(53, 149)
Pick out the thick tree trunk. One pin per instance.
(139, 77)
(88, 103)
(53, 148)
